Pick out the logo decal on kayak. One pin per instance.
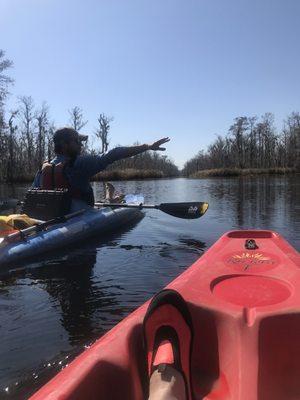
(192, 210)
(256, 258)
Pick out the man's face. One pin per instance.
(73, 146)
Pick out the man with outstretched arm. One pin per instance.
(73, 171)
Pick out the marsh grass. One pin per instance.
(223, 172)
(128, 174)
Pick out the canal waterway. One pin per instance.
(53, 308)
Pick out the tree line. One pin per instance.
(252, 143)
(26, 136)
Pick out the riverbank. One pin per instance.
(140, 174)
(108, 175)
(128, 174)
(224, 172)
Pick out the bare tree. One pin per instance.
(5, 81)
(103, 131)
(11, 146)
(297, 153)
(292, 140)
(238, 131)
(41, 117)
(49, 145)
(27, 130)
(252, 143)
(76, 118)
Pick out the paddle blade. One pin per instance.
(191, 210)
(8, 204)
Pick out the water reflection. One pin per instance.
(70, 284)
(70, 281)
(259, 202)
(51, 308)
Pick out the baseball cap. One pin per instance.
(65, 134)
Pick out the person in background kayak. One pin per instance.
(69, 169)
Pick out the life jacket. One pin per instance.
(53, 176)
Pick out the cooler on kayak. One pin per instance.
(244, 298)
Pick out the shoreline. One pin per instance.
(138, 174)
(231, 172)
(129, 174)
(108, 175)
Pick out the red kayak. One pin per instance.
(243, 295)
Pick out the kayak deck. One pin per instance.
(245, 307)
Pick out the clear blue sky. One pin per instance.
(182, 68)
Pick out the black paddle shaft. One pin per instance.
(190, 210)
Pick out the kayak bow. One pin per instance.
(244, 298)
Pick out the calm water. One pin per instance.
(54, 308)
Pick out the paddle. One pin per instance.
(191, 210)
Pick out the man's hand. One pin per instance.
(156, 145)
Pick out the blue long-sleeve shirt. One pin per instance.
(85, 167)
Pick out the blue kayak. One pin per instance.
(92, 222)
